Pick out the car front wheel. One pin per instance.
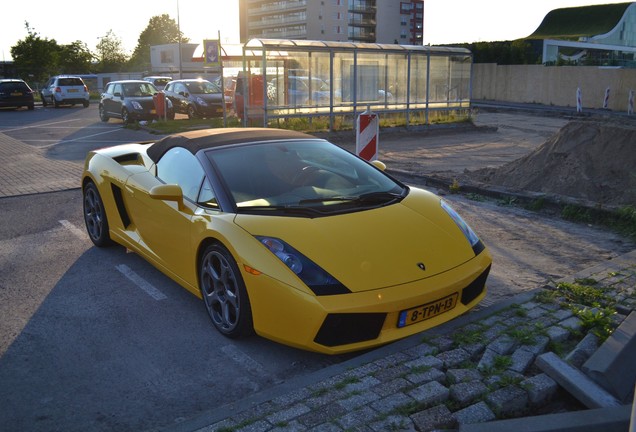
(102, 114)
(192, 112)
(95, 216)
(125, 116)
(224, 292)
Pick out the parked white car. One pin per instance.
(65, 90)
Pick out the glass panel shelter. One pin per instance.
(283, 79)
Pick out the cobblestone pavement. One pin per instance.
(478, 368)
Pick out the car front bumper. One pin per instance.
(343, 323)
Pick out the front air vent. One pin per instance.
(121, 207)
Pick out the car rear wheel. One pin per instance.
(55, 103)
(95, 216)
(224, 293)
(85, 104)
(44, 102)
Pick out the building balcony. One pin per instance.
(287, 6)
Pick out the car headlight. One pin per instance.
(136, 105)
(201, 102)
(471, 236)
(317, 279)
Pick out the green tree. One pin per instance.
(110, 53)
(35, 58)
(75, 58)
(161, 30)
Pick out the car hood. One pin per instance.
(371, 249)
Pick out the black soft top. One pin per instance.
(208, 138)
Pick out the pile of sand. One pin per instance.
(593, 160)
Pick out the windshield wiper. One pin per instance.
(279, 208)
(371, 197)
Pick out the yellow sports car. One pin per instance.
(287, 235)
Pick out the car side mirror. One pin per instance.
(168, 192)
(379, 165)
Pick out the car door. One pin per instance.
(171, 94)
(163, 225)
(115, 102)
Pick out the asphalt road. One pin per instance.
(97, 339)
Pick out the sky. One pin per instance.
(445, 21)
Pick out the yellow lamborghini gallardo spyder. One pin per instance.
(287, 235)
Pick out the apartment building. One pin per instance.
(378, 21)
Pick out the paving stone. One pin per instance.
(292, 397)
(466, 392)
(258, 426)
(474, 349)
(292, 426)
(462, 375)
(428, 376)
(454, 357)
(536, 313)
(357, 418)
(422, 350)
(583, 350)
(540, 388)
(506, 377)
(430, 393)
(390, 387)
(443, 343)
(493, 332)
(365, 383)
(558, 334)
(390, 373)
(357, 400)
(477, 413)
(437, 417)
(424, 362)
(288, 414)
(392, 360)
(573, 323)
(529, 305)
(487, 359)
(393, 423)
(319, 415)
(563, 314)
(508, 400)
(503, 345)
(323, 397)
(539, 346)
(390, 403)
(521, 360)
(491, 320)
(326, 427)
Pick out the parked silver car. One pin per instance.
(65, 90)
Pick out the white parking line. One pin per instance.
(243, 359)
(79, 233)
(141, 282)
(41, 125)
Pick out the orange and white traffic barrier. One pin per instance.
(367, 139)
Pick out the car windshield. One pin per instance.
(139, 89)
(202, 87)
(309, 177)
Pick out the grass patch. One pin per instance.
(345, 382)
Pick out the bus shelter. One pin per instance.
(303, 78)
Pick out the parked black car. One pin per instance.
(15, 93)
(130, 100)
(196, 97)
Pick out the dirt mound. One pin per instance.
(594, 161)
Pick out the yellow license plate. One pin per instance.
(73, 90)
(153, 111)
(16, 94)
(429, 310)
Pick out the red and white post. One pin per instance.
(367, 135)
(579, 102)
(606, 98)
(630, 103)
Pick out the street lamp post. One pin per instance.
(179, 35)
